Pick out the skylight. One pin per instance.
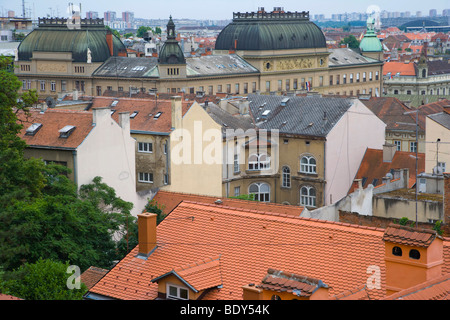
(134, 114)
(31, 131)
(157, 115)
(114, 103)
(265, 113)
(66, 131)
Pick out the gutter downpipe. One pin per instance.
(75, 171)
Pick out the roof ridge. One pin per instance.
(268, 213)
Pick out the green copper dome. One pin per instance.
(370, 42)
(270, 31)
(54, 35)
(171, 52)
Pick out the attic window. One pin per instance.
(397, 251)
(414, 254)
(177, 292)
(33, 129)
(265, 113)
(157, 115)
(66, 131)
(134, 114)
(114, 103)
(364, 180)
(284, 101)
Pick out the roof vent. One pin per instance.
(33, 129)
(66, 131)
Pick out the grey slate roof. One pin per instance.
(212, 65)
(346, 56)
(227, 120)
(301, 115)
(442, 118)
(126, 67)
(218, 65)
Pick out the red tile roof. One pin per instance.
(169, 200)
(147, 109)
(8, 297)
(250, 242)
(409, 236)
(372, 166)
(280, 281)
(52, 121)
(435, 289)
(92, 275)
(405, 69)
(201, 275)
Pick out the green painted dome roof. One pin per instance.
(171, 52)
(370, 42)
(270, 31)
(53, 35)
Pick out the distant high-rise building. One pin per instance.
(418, 14)
(11, 14)
(110, 16)
(446, 12)
(91, 15)
(128, 18)
(433, 13)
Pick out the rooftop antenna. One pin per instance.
(23, 9)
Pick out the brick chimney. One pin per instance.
(146, 233)
(412, 256)
(109, 41)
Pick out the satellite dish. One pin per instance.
(438, 170)
(50, 102)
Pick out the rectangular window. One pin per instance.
(228, 88)
(63, 86)
(364, 77)
(321, 81)
(370, 75)
(280, 85)
(79, 69)
(344, 79)
(338, 79)
(295, 85)
(441, 165)
(145, 147)
(145, 177)
(376, 75)
(331, 80)
(236, 87)
(253, 87)
(236, 163)
(412, 146)
(351, 77)
(357, 77)
(109, 88)
(288, 85)
(53, 86)
(219, 88)
(245, 88)
(42, 82)
(29, 84)
(82, 86)
(165, 148)
(210, 90)
(166, 179)
(177, 292)
(267, 86)
(99, 90)
(24, 84)
(237, 191)
(120, 88)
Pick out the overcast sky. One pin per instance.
(214, 9)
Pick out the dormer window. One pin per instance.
(66, 131)
(33, 129)
(177, 292)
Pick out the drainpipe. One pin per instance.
(324, 168)
(75, 171)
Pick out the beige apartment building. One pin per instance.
(265, 52)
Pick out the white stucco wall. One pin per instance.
(345, 146)
(109, 152)
(436, 131)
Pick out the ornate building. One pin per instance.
(268, 52)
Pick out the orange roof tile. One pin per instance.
(52, 121)
(169, 200)
(405, 69)
(372, 166)
(280, 281)
(249, 242)
(409, 236)
(202, 275)
(92, 275)
(435, 289)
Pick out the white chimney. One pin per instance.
(176, 112)
(124, 121)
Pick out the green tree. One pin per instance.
(142, 30)
(351, 41)
(114, 32)
(153, 207)
(42, 280)
(158, 30)
(128, 35)
(250, 197)
(63, 225)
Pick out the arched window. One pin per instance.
(308, 164)
(414, 254)
(397, 251)
(259, 161)
(261, 191)
(308, 196)
(424, 73)
(286, 183)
